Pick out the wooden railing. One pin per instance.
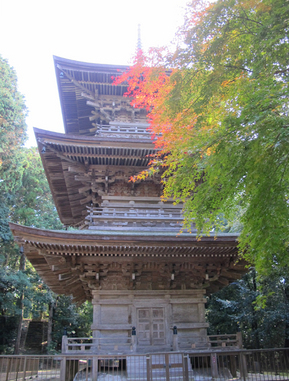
(124, 131)
(148, 213)
(99, 345)
(128, 344)
(225, 341)
(245, 365)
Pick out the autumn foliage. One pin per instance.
(149, 83)
(218, 107)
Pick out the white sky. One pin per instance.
(98, 31)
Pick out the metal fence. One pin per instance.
(243, 365)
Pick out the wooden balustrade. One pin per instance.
(127, 344)
(146, 213)
(93, 345)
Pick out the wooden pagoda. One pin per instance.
(127, 256)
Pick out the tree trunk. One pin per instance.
(255, 318)
(20, 304)
(50, 324)
(286, 302)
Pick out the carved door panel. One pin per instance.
(158, 326)
(151, 326)
(144, 326)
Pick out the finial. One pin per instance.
(139, 47)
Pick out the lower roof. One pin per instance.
(69, 261)
(96, 237)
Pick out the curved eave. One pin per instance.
(107, 238)
(86, 66)
(80, 140)
(94, 77)
(57, 255)
(64, 157)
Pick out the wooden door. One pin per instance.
(151, 326)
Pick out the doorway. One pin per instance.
(151, 326)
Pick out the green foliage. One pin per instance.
(8, 332)
(28, 202)
(12, 135)
(12, 114)
(25, 198)
(76, 320)
(256, 306)
(31, 204)
(228, 133)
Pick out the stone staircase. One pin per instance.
(24, 330)
(35, 338)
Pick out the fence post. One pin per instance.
(18, 363)
(24, 368)
(243, 366)
(63, 368)
(149, 368)
(214, 365)
(8, 367)
(186, 367)
(64, 344)
(94, 369)
(239, 340)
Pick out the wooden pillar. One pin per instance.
(239, 340)
(214, 365)
(96, 322)
(149, 367)
(64, 344)
(233, 366)
(175, 339)
(201, 310)
(243, 366)
(186, 360)
(133, 343)
(94, 370)
(63, 368)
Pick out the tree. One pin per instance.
(257, 306)
(29, 202)
(22, 292)
(12, 113)
(218, 107)
(75, 320)
(25, 198)
(12, 136)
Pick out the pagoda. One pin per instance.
(146, 281)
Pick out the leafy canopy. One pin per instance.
(12, 113)
(237, 307)
(25, 198)
(220, 103)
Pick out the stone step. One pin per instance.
(36, 336)
(24, 331)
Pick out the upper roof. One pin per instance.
(86, 91)
(106, 139)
